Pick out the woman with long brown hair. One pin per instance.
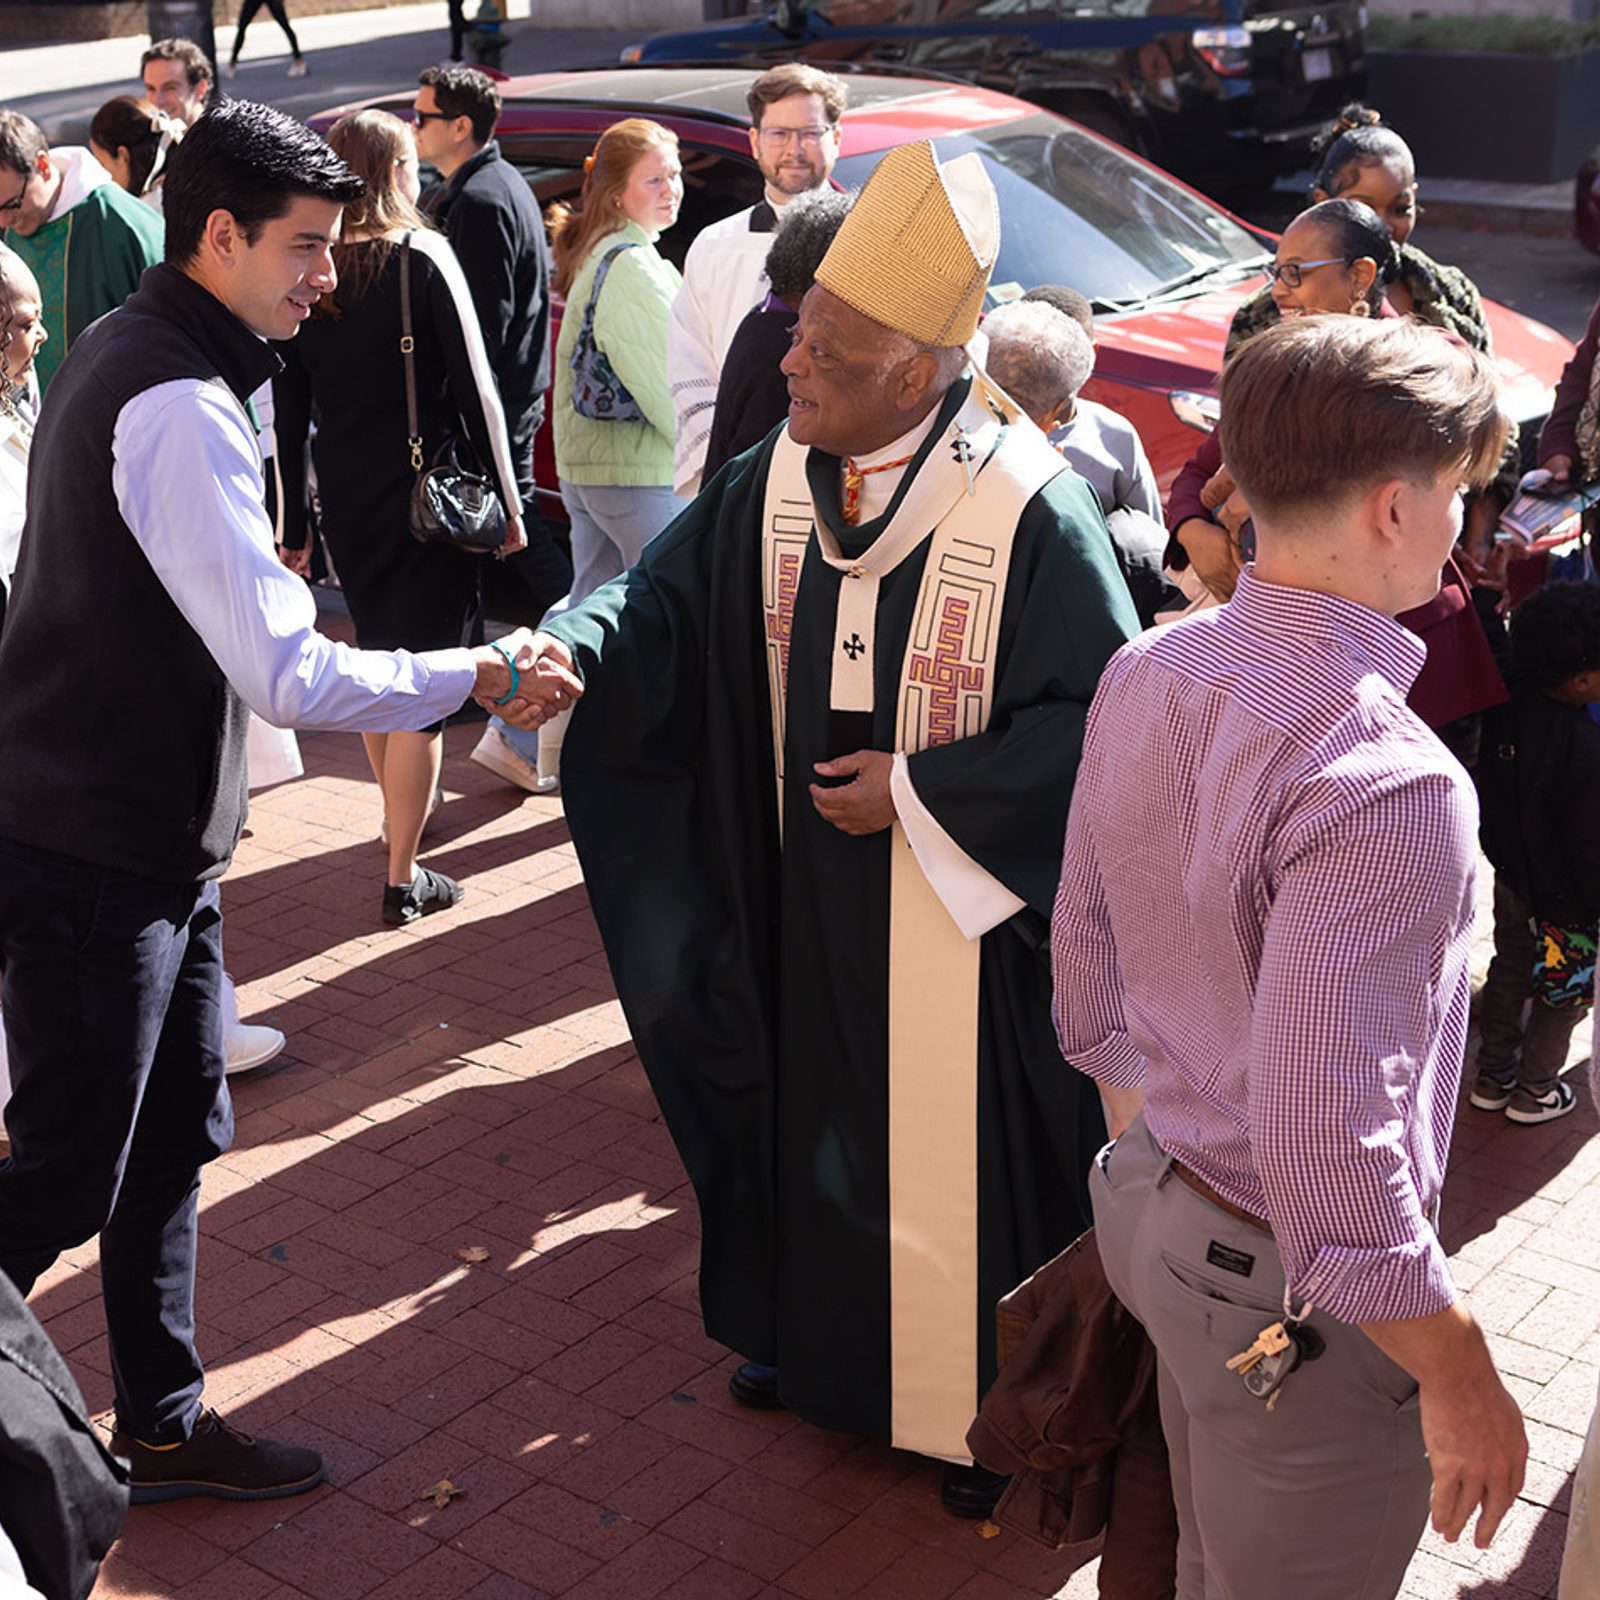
(346, 368)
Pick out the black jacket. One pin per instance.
(492, 221)
(1539, 788)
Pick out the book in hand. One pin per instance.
(1545, 513)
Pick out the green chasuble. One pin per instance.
(754, 973)
(88, 261)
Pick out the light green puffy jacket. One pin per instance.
(630, 326)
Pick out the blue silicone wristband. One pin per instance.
(511, 666)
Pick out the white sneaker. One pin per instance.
(250, 1047)
(496, 753)
(298, 68)
(230, 69)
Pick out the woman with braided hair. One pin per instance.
(1361, 158)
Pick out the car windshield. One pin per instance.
(1117, 232)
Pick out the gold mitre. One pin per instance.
(917, 247)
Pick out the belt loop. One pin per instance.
(1164, 1171)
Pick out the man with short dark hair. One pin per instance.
(177, 79)
(147, 562)
(85, 239)
(794, 136)
(1261, 946)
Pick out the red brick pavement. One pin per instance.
(469, 1083)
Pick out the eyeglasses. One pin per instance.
(430, 116)
(781, 138)
(1289, 273)
(15, 202)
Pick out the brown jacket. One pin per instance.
(1073, 1417)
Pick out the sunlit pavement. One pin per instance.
(467, 1086)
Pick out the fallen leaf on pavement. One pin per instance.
(472, 1252)
(442, 1493)
(989, 1530)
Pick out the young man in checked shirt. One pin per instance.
(1274, 1002)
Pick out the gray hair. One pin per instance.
(806, 227)
(1037, 354)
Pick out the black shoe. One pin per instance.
(971, 1491)
(219, 1461)
(756, 1386)
(428, 892)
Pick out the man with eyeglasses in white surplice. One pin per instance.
(794, 112)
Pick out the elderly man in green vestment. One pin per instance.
(86, 241)
(818, 782)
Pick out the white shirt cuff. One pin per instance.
(976, 900)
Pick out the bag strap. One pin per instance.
(600, 283)
(408, 346)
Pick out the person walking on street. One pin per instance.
(147, 545)
(1280, 1051)
(280, 15)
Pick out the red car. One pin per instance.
(1164, 266)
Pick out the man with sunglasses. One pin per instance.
(85, 240)
(794, 137)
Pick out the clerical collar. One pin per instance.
(877, 490)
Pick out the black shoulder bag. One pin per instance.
(449, 504)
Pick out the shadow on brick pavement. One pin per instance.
(469, 1083)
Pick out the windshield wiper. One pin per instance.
(1185, 280)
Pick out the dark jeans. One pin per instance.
(113, 1018)
(1535, 1053)
(458, 27)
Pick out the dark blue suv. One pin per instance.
(1221, 92)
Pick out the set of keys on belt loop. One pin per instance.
(1278, 1350)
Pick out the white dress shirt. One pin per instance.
(187, 477)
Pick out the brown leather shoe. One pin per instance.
(216, 1460)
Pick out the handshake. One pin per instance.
(526, 678)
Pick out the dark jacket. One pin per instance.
(156, 786)
(492, 221)
(1539, 789)
(1073, 1417)
(752, 395)
(62, 1492)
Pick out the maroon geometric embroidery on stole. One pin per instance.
(943, 672)
(780, 614)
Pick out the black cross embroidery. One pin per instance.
(854, 646)
(962, 449)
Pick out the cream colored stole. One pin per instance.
(968, 497)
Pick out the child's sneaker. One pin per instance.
(1528, 1108)
(1490, 1093)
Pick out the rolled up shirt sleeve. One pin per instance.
(1090, 1025)
(187, 477)
(1368, 911)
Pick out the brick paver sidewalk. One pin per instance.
(468, 1085)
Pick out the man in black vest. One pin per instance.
(148, 611)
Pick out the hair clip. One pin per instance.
(588, 165)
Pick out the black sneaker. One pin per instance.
(1528, 1108)
(756, 1386)
(219, 1461)
(428, 892)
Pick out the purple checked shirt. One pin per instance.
(1264, 917)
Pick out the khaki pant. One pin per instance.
(1323, 1498)
(1580, 1566)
